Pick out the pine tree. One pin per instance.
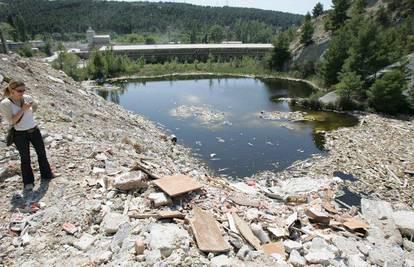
(338, 15)
(307, 31)
(359, 7)
(317, 10)
(281, 53)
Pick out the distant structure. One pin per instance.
(97, 40)
(186, 52)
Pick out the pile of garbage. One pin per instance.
(127, 194)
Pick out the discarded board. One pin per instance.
(207, 233)
(354, 224)
(177, 185)
(245, 231)
(166, 214)
(274, 248)
(317, 216)
(244, 200)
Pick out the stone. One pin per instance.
(130, 181)
(93, 205)
(319, 257)
(356, 261)
(408, 245)
(221, 261)
(84, 242)
(120, 236)
(260, 233)
(319, 252)
(159, 199)
(139, 247)
(297, 186)
(243, 187)
(386, 255)
(102, 258)
(112, 221)
(69, 228)
(244, 252)
(291, 245)
(296, 259)
(376, 209)
(404, 221)
(329, 99)
(152, 257)
(252, 214)
(166, 237)
(346, 246)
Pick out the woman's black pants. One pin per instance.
(22, 140)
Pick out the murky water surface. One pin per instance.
(237, 142)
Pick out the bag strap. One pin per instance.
(21, 105)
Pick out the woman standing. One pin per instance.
(17, 108)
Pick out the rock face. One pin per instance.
(112, 221)
(167, 237)
(130, 181)
(329, 99)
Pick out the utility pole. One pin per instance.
(3, 43)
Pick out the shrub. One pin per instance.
(385, 95)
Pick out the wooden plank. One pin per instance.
(165, 214)
(207, 233)
(245, 231)
(177, 185)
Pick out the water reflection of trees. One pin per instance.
(113, 95)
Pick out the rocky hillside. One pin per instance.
(103, 211)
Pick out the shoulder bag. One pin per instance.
(11, 132)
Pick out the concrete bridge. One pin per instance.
(186, 52)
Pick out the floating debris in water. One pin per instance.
(220, 140)
(212, 155)
(270, 143)
(250, 144)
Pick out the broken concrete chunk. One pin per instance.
(243, 187)
(112, 221)
(375, 209)
(166, 238)
(177, 185)
(159, 199)
(207, 233)
(404, 221)
(221, 261)
(84, 242)
(130, 181)
(278, 232)
(292, 245)
(260, 233)
(296, 259)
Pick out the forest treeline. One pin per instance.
(69, 19)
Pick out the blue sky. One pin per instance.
(293, 6)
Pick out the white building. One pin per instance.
(97, 40)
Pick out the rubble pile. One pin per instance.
(127, 195)
(378, 153)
